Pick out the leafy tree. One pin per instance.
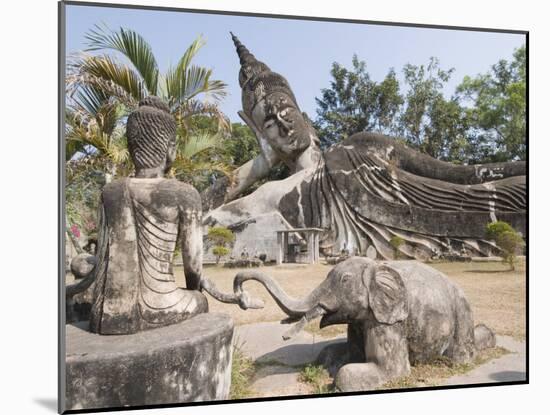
(220, 237)
(494, 229)
(389, 103)
(427, 118)
(507, 239)
(242, 145)
(220, 251)
(354, 103)
(498, 111)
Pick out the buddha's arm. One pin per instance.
(226, 190)
(191, 248)
(248, 174)
(267, 155)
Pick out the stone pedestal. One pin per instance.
(185, 362)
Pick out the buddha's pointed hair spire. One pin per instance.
(244, 54)
(250, 66)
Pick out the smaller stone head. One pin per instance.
(151, 134)
(360, 287)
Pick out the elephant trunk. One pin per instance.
(291, 306)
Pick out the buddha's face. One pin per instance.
(283, 126)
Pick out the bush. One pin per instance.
(507, 239)
(511, 243)
(220, 251)
(220, 237)
(396, 242)
(494, 229)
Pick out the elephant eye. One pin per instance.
(346, 276)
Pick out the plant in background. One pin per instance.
(396, 242)
(507, 239)
(220, 237)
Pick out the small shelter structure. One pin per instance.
(299, 245)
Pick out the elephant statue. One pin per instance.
(398, 313)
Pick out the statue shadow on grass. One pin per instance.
(295, 355)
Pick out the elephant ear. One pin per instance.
(387, 294)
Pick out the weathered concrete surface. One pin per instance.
(185, 362)
(508, 368)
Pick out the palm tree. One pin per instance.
(103, 90)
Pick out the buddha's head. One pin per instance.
(151, 134)
(270, 103)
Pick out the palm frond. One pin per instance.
(82, 129)
(107, 69)
(183, 167)
(90, 98)
(190, 53)
(73, 147)
(196, 144)
(133, 46)
(109, 117)
(76, 82)
(118, 151)
(190, 108)
(185, 81)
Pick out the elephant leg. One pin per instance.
(462, 347)
(387, 358)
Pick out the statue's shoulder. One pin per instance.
(115, 186)
(183, 192)
(179, 186)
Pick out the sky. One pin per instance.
(302, 51)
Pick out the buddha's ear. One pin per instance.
(387, 294)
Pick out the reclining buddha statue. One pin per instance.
(361, 192)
